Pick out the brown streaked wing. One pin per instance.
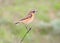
(29, 16)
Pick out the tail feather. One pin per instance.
(18, 22)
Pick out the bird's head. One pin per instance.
(32, 11)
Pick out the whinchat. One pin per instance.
(28, 19)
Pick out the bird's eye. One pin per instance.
(33, 11)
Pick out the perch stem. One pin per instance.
(25, 35)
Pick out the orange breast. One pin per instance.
(29, 20)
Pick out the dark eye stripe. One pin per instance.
(33, 11)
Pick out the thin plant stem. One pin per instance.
(25, 35)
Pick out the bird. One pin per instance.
(28, 19)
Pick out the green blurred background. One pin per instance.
(45, 27)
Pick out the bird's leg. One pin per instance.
(26, 26)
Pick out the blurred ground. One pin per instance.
(45, 27)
